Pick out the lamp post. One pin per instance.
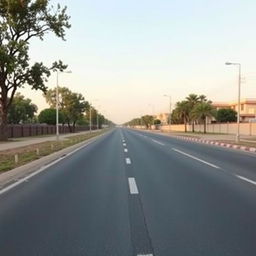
(57, 103)
(170, 106)
(239, 99)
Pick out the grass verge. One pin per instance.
(32, 152)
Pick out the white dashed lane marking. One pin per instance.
(128, 160)
(245, 179)
(195, 158)
(158, 142)
(133, 187)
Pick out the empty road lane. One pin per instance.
(135, 193)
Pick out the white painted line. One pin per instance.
(42, 168)
(145, 255)
(25, 179)
(245, 179)
(128, 160)
(195, 158)
(123, 141)
(133, 186)
(158, 142)
(126, 150)
(124, 144)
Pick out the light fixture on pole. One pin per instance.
(239, 98)
(57, 102)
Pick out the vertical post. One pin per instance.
(57, 107)
(170, 116)
(97, 120)
(238, 105)
(90, 118)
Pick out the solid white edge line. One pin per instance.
(158, 142)
(245, 179)
(41, 169)
(128, 160)
(133, 186)
(195, 158)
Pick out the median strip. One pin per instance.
(195, 158)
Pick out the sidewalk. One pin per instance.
(26, 141)
(227, 140)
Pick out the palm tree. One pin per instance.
(182, 109)
(201, 111)
(192, 100)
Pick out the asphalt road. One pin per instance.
(133, 193)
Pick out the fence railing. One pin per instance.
(16, 131)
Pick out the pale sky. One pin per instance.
(128, 53)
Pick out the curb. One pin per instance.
(21, 173)
(216, 143)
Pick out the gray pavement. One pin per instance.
(135, 193)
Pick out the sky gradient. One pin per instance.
(127, 54)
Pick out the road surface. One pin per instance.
(133, 193)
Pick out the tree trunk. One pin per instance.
(3, 126)
(3, 114)
(185, 123)
(204, 125)
(74, 126)
(193, 126)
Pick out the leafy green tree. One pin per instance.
(147, 120)
(226, 115)
(176, 119)
(157, 122)
(20, 22)
(201, 111)
(21, 110)
(48, 116)
(72, 105)
(192, 101)
(183, 112)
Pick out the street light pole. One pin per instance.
(57, 107)
(238, 100)
(57, 104)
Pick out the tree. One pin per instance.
(226, 115)
(157, 122)
(20, 22)
(148, 120)
(201, 111)
(48, 116)
(72, 105)
(183, 112)
(21, 110)
(192, 101)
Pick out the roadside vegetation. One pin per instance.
(194, 109)
(10, 159)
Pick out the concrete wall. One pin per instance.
(228, 128)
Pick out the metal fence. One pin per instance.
(16, 131)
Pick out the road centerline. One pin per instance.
(195, 158)
(133, 186)
(128, 160)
